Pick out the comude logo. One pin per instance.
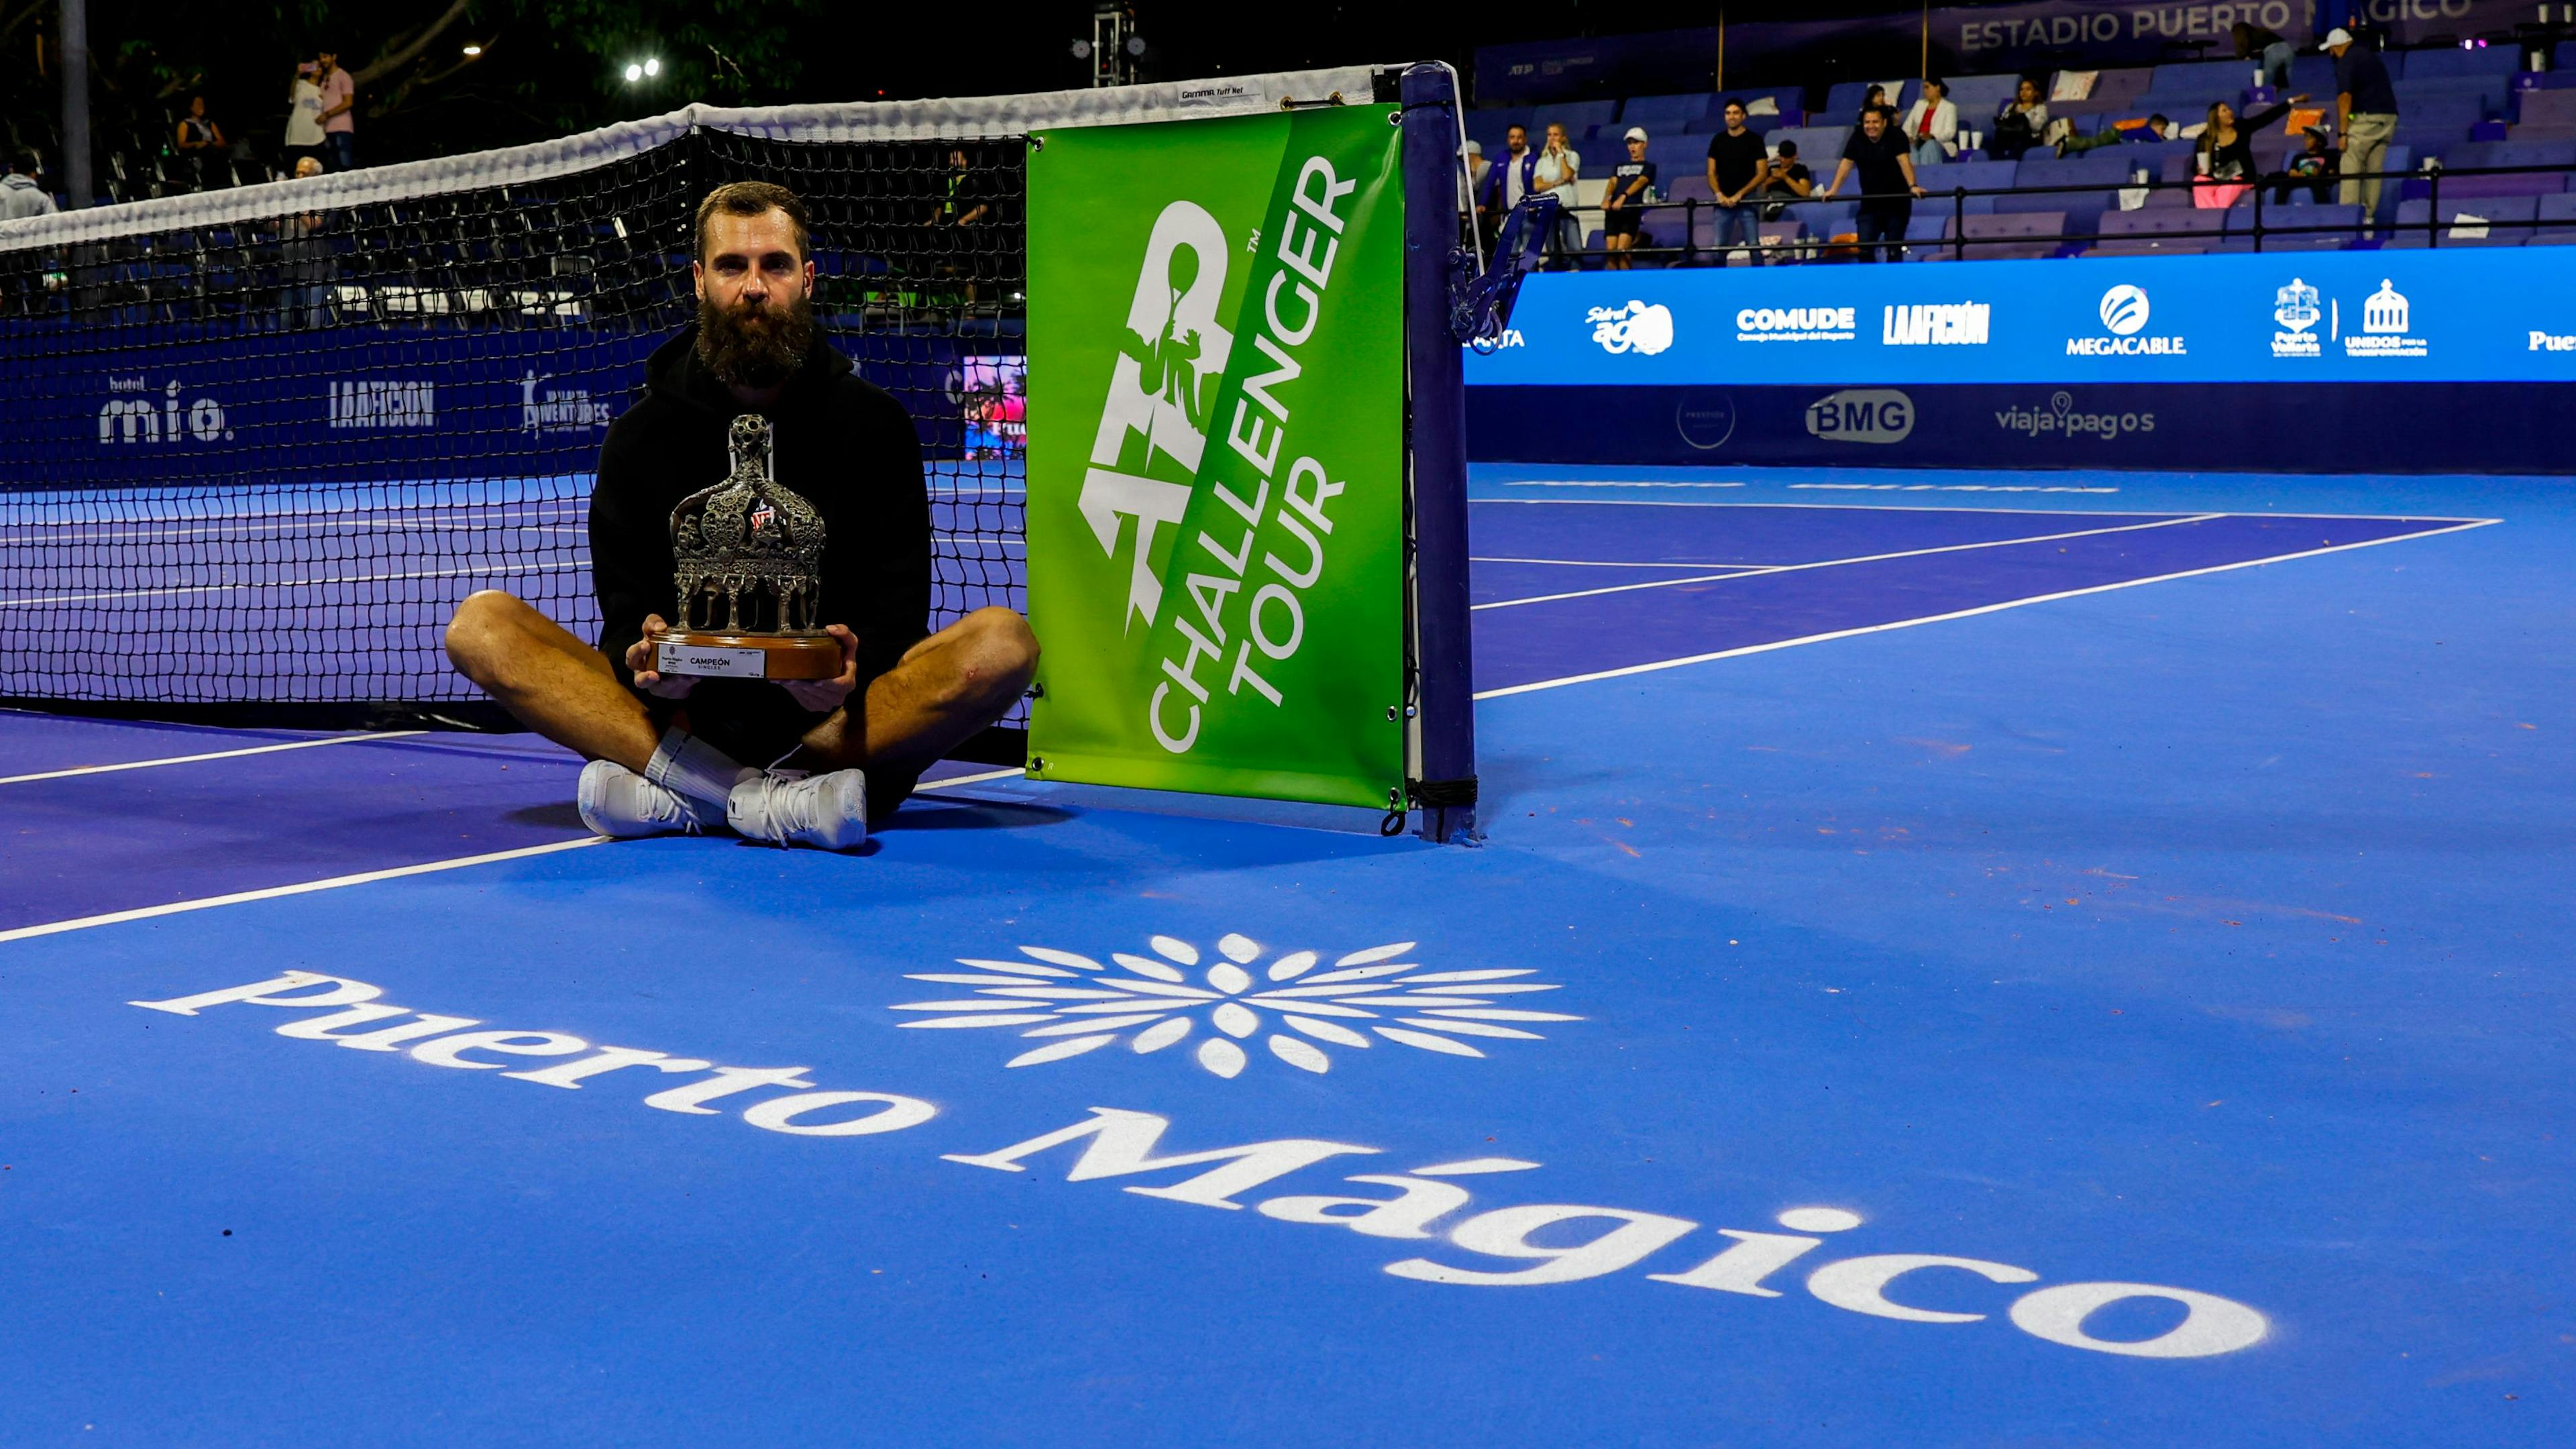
(378, 403)
(1797, 324)
(1934, 324)
(1861, 415)
(2385, 316)
(559, 409)
(2296, 309)
(2124, 313)
(131, 415)
(1640, 327)
(2061, 419)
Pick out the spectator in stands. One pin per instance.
(304, 257)
(1737, 164)
(2158, 128)
(962, 200)
(1473, 171)
(1878, 152)
(1559, 167)
(201, 144)
(2226, 149)
(2365, 117)
(1874, 100)
(1513, 177)
(2020, 124)
(1932, 126)
(1787, 179)
(2266, 48)
(303, 115)
(2313, 168)
(20, 193)
(339, 111)
(1630, 181)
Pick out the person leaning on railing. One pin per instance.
(1630, 182)
(1785, 179)
(1559, 167)
(1737, 164)
(1886, 182)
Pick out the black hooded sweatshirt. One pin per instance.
(841, 443)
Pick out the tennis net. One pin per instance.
(255, 445)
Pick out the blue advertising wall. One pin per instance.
(181, 404)
(2406, 361)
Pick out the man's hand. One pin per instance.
(639, 662)
(820, 695)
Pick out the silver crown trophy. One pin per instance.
(750, 556)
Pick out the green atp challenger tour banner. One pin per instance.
(1216, 455)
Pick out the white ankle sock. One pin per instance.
(690, 766)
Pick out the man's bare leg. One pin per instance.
(554, 683)
(939, 694)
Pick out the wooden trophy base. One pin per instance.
(746, 656)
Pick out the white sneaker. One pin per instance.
(617, 802)
(829, 812)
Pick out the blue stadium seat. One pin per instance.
(2560, 209)
(1974, 176)
(2507, 218)
(1819, 146)
(2153, 230)
(2018, 234)
(1978, 97)
(2492, 60)
(1573, 115)
(1667, 112)
(2343, 223)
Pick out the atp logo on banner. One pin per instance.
(1161, 388)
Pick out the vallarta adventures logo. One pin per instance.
(2124, 312)
(554, 410)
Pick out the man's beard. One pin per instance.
(761, 346)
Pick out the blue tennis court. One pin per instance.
(2001, 958)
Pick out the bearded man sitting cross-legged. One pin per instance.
(795, 763)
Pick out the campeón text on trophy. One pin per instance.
(750, 557)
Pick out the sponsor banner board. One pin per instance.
(1216, 456)
(1985, 426)
(186, 405)
(2483, 315)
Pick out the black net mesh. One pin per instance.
(248, 467)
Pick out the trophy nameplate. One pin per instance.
(749, 557)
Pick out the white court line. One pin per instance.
(1594, 563)
(1966, 613)
(1939, 508)
(953, 780)
(212, 755)
(270, 893)
(1621, 483)
(496, 569)
(1864, 558)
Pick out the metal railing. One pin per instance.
(2256, 229)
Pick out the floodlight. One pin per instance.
(634, 73)
(472, 51)
(653, 67)
(1135, 45)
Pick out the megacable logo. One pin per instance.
(2124, 312)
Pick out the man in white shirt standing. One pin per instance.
(1932, 126)
(20, 194)
(303, 115)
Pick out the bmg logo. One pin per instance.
(1861, 415)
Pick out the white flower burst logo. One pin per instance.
(1074, 1004)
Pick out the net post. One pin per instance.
(1443, 732)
